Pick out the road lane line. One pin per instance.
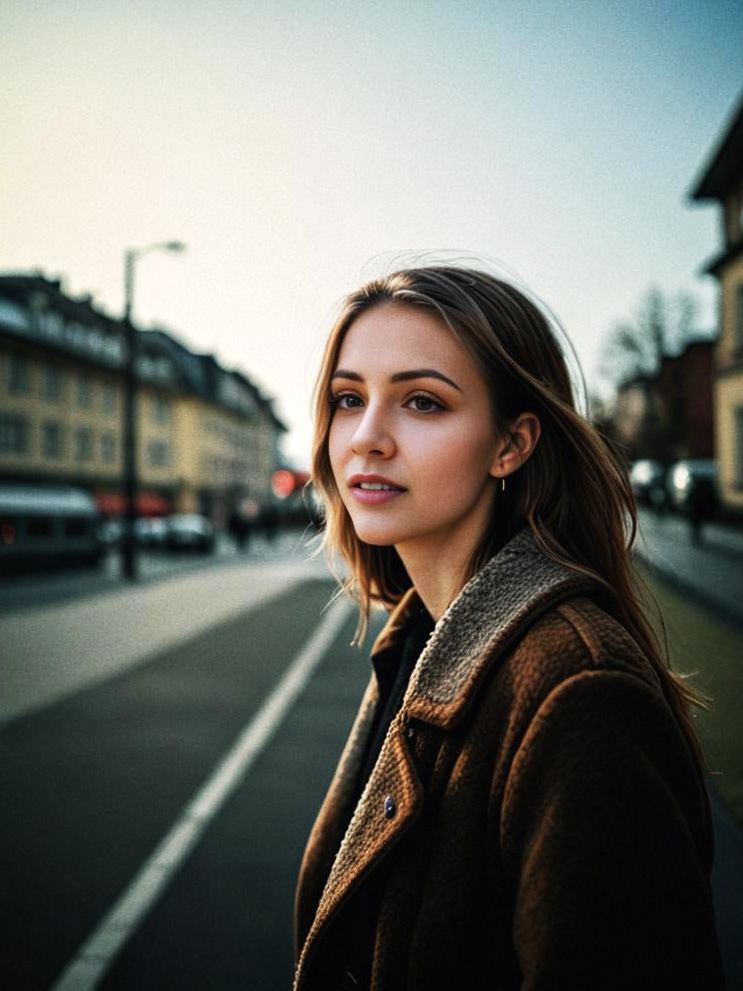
(95, 956)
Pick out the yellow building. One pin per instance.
(722, 182)
(225, 435)
(206, 438)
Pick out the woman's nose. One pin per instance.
(372, 435)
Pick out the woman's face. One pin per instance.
(412, 442)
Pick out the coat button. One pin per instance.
(389, 806)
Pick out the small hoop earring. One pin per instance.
(503, 484)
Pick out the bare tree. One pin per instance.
(632, 357)
(635, 348)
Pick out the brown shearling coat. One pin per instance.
(548, 826)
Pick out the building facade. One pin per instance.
(722, 182)
(206, 437)
(669, 416)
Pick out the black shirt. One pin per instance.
(351, 948)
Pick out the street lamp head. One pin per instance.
(175, 246)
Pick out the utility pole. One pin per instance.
(130, 425)
(130, 480)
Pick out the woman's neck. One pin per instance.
(438, 570)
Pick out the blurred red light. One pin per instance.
(283, 483)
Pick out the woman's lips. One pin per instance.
(374, 490)
(373, 497)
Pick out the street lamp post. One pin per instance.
(130, 404)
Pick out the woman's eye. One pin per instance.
(345, 400)
(424, 404)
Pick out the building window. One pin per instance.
(53, 382)
(738, 328)
(158, 453)
(84, 391)
(108, 448)
(83, 444)
(51, 439)
(19, 375)
(738, 447)
(14, 434)
(161, 409)
(109, 398)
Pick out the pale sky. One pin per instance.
(291, 144)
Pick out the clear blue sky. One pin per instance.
(292, 143)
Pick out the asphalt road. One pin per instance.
(92, 783)
(104, 742)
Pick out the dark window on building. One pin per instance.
(161, 409)
(53, 382)
(83, 444)
(158, 453)
(39, 526)
(52, 440)
(84, 391)
(109, 398)
(108, 448)
(14, 434)
(19, 375)
(738, 446)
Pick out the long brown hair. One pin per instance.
(573, 491)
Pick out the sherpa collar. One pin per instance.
(496, 606)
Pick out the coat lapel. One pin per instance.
(490, 613)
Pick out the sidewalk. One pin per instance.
(698, 590)
(712, 570)
(54, 650)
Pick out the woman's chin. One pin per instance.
(375, 540)
(377, 536)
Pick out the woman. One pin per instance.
(521, 801)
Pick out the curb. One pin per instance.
(676, 582)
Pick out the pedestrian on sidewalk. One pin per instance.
(521, 802)
(699, 507)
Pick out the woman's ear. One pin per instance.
(517, 445)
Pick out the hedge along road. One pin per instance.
(94, 783)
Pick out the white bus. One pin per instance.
(44, 526)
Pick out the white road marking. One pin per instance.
(95, 956)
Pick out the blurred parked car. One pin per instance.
(150, 531)
(110, 533)
(648, 480)
(692, 487)
(189, 531)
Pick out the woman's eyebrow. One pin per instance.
(414, 373)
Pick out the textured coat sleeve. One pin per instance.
(606, 844)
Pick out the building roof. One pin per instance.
(74, 325)
(725, 165)
(189, 365)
